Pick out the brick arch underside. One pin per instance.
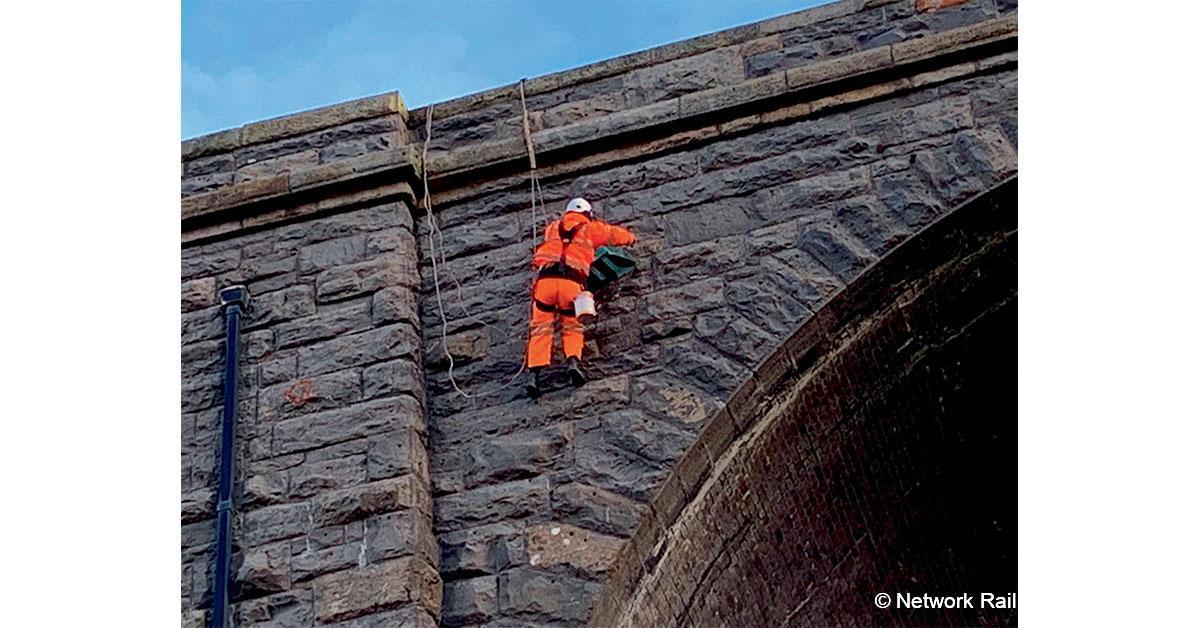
(874, 451)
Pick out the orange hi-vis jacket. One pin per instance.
(578, 237)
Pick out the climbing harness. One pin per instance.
(535, 198)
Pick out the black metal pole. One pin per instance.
(233, 300)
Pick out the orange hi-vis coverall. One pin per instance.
(563, 262)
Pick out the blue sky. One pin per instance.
(250, 60)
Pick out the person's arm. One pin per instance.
(620, 236)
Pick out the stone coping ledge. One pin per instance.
(820, 80)
(795, 81)
(391, 102)
(319, 189)
(651, 56)
(294, 124)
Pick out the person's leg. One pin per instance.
(572, 331)
(572, 337)
(541, 327)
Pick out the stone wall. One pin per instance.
(332, 486)
(763, 167)
(871, 452)
(295, 142)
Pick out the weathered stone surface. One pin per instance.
(519, 455)
(492, 503)
(297, 123)
(835, 250)
(330, 253)
(357, 502)
(537, 595)
(272, 523)
(344, 424)
(690, 74)
(320, 476)
(596, 509)
(355, 592)
(352, 280)
(283, 610)
(553, 544)
(198, 294)
(486, 549)
(470, 601)
(392, 341)
(388, 379)
(264, 489)
(264, 569)
(276, 165)
(399, 534)
(326, 324)
(314, 560)
(310, 394)
(393, 305)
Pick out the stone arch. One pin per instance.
(872, 451)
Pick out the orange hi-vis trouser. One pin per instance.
(553, 297)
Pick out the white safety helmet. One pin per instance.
(579, 205)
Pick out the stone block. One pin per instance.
(198, 294)
(990, 30)
(596, 509)
(343, 424)
(351, 280)
(328, 323)
(264, 489)
(281, 305)
(549, 597)
(559, 544)
(396, 377)
(305, 121)
(485, 549)
(315, 560)
(281, 164)
(329, 253)
(272, 523)
(315, 477)
(310, 394)
(471, 601)
(393, 305)
(464, 347)
(836, 250)
(733, 335)
(492, 503)
(661, 81)
(264, 569)
(846, 66)
(357, 502)
(518, 455)
(292, 609)
(393, 341)
(356, 592)
(409, 532)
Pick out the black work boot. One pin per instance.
(532, 383)
(575, 372)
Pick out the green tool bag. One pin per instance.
(611, 263)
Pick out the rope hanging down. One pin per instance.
(535, 198)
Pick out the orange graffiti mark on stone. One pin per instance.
(300, 393)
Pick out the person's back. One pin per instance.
(563, 261)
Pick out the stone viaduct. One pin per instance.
(805, 395)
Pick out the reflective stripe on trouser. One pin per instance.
(559, 294)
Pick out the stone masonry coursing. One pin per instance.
(333, 472)
(752, 212)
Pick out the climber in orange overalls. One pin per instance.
(563, 262)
